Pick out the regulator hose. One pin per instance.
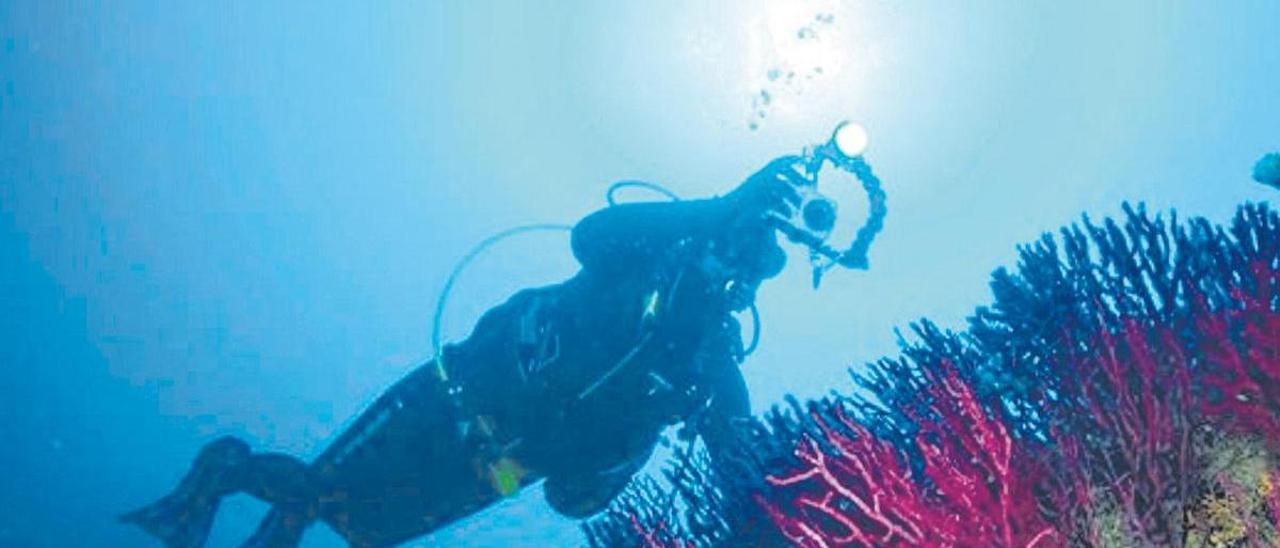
(471, 256)
(655, 187)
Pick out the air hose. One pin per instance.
(654, 187)
(471, 256)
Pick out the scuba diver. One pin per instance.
(570, 384)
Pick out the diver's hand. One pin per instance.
(772, 190)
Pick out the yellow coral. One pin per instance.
(1240, 470)
(1225, 518)
(1237, 477)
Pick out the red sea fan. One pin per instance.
(1091, 405)
(1127, 449)
(1242, 348)
(976, 490)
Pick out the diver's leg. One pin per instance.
(289, 485)
(282, 528)
(403, 468)
(279, 479)
(224, 467)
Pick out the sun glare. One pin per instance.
(795, 45)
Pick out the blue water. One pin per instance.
(234, 219)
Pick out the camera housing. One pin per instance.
(812, 223)
(819, 214)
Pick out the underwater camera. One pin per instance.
(812, 223)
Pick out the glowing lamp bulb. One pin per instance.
(850, 139)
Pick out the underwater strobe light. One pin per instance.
(816, 216)
(849, 139)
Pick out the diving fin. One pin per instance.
(183, 518)
(179, 522)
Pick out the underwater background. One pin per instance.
(235, 219)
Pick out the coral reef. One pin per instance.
(1123, 389)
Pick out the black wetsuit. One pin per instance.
(571, 383)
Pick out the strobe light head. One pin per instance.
(849, 140)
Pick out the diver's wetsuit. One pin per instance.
(571, 383)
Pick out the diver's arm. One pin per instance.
(624, 235)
